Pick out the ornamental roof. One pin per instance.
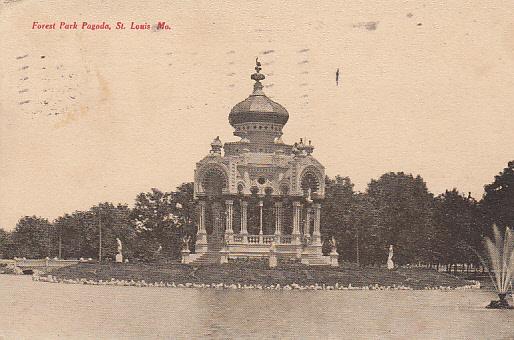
(258, 107)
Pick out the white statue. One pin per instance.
(119, 255)
(390, 263)
(185, 242)
(308, 198)
(333, 245)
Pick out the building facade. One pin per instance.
(259, 197)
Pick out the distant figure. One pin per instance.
(337, 77)
(185, 242)
(119, 255)
(120, 246)
(308, 198)
(390, 263)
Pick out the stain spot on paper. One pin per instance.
(370, 25)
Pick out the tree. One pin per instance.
(404, 209)
(498, 200)
(350, 218)
(184, 208)
(112, 222)
(32, 237)
(79, 233)
(368, 234)
(6, 245)
(458, 229)
(336, 213)
(161, 220)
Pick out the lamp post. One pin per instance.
(99, 235)
(60, 241)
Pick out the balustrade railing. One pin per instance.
(253, 239)
(285, 239)
(263, 239)
(268, 239)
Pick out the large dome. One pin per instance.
(258, 108)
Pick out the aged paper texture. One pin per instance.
(260, 169)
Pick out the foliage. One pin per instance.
(336, 217)
(79, 233)
(396, 209)
(404, 210)
(6, 245)
(498, 200)
(32, 237)
(458, 236)
(161, 220)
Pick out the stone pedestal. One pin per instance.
(273, 261)
(305, 259)
(119, 258)
(224, 255)
(185, 256)
(201, 244)
(245, 238)
(334, 258)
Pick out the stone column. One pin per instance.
(201, 238)
(297, 206)
(261, 204)
(278, 218)
(307, 225)
(316, 234)
(244, 221)
(229, 212)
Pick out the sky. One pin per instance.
(92, 116)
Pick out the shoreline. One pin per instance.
(474, 284)
(255, 276)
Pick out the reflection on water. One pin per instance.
(45, 310)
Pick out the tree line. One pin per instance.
(396, 209)
(152, 229)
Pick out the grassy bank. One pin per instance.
(248, 274)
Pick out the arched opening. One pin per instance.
(310, 183)
(240, 189)
(213, 182)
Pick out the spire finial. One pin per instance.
(257, 76)
(258, 67)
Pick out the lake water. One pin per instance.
(45, 310)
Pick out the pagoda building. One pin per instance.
(258, 197)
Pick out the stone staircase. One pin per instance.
(316, 259)
(212, 256)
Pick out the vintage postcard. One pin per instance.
(256, 170)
